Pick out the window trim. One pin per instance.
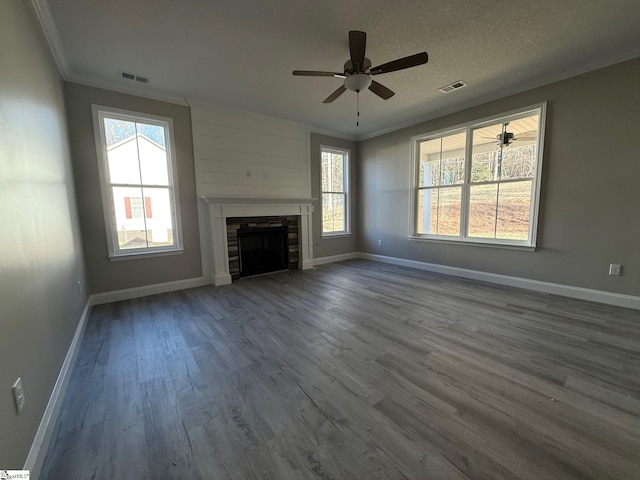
(99, 112)
(345, 181)
(463, 238)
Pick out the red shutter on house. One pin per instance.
(147, 206)
(127, 207)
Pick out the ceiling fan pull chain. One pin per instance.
(358, 108)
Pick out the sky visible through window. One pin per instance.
(117, 130)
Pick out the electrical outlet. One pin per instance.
(379, 243)
(615, 269)
(18, 394)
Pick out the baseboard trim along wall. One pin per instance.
(40, 444)
(600, 296)
(335, 258)
(136, 292)
(618, 299)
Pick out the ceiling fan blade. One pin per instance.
(528, 135)
(314, 73)
(335, 94)
(401, 63)
(357, 47)
(380, 90)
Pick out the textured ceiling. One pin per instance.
(240, 53)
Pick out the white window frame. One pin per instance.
(346, 153)
(468, 127)
(115, 252)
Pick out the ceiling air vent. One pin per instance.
(134, 77)
(452, 86)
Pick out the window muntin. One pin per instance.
(138, 182)
(334, 165)
(480, 183)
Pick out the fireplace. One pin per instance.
(226, 216)
(257, 245)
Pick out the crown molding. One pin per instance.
(622, 56)
(42, 11)
(128, 89)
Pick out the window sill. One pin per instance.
(527, 248)
(334, 235)
(138, 255)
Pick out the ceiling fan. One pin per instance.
(357, 71)
(506, 138)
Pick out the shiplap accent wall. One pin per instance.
(247, 155)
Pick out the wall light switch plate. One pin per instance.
(18, 394)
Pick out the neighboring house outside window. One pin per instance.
(334, 164)
(133, 207)
(138, 181)
(480, 182)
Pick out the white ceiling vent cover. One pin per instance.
(134, 77)
(452, 86)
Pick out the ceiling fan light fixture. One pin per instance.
(357, 82)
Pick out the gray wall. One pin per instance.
(41, 254)
(326, 247)
(103, 274)
(590, 187)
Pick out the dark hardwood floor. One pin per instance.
(356, 370)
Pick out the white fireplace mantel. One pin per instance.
(221, 208)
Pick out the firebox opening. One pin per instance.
(262, 250)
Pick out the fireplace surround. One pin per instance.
(278, 234)
(218, 210)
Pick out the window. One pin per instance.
(334, 177)
(138, 182)
(480, 182)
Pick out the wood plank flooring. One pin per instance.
(356, 370)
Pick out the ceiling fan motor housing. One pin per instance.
(349, 69)
(506, 138)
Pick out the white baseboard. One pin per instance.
(335, 258)
(600, 296)
(40, 444)
(128, 293)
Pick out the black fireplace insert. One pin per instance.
(262, 250)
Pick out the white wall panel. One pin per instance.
(246, 155)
